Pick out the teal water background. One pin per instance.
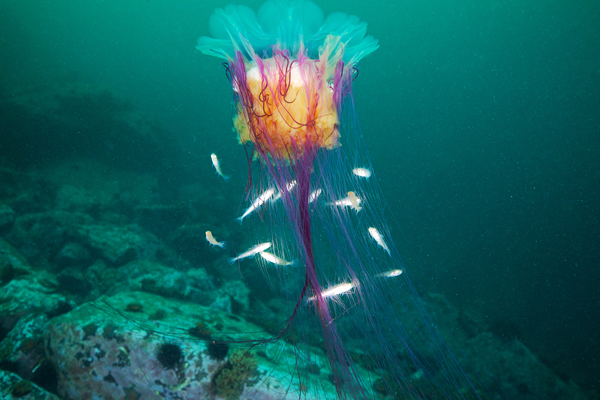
(482, 119)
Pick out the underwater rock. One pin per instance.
(35, 235)
(26, 294)
(199, 279)
(119, 245)
(161, 220)
(100, 189)
(22, 350)
(73, 255)
(233, 298)
(271, 315)
(12, 263)
(55, 114)
(74, 282)
(25, 192)
(149, 276)
(200, 286)
(104, 278)
(113, 348)
(12, 386)
(10, 182)
(190, 241)
(7, 216)
(71, 198)
(40, 236)
(510, 364)
(223, 302)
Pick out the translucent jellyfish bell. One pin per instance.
(292, 25)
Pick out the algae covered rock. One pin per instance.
(119, 245)
(72, 255)
(229, 382)
(194, 285)
(22, 349)
(12, 263)
(12, 386)
(39, 237)
(25, 293)
(139, 345)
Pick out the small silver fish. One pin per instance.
(215, 163)
(266, 195)
(347, 202)
(250, 252)
(379, 239)
(272, 258)
(288, 187)
(211, 239)
(362, 172)
(334, 290)
(389, 274)
(314, 195)
(354, 201)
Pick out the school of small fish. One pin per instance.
(351, 200)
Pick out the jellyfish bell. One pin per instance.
(286, 67)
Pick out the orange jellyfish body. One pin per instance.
(287, 106)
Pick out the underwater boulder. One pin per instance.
(22, 350)
(54, 116)
(233, 297)
(139, 345)
(119, 245)
(73, 281)
(73, 255)
(39, 237)
(27, 302)
(72, 198)
(23, 290)
(12, 263)
(160, 219)
(29, 293)
(520, 374)
(149, 276)
(12, 386)
(7, 216)
(189, 241)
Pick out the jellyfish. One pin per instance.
(348, 291)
